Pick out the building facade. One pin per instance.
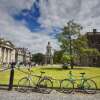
(94, 42)
(22, 55)
(8, 53)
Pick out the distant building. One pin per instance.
(93, 42)
(28, 56)
(9, 53)
(19, 55)
(94, 39)
(22, 55)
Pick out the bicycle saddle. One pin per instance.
(82, 73)
(42, 72)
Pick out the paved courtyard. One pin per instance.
(14, 95)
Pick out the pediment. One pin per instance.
(6, 43)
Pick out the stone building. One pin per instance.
(28, 56)
(22, 55)
(7, 52)
(94, 42)
(19, 55)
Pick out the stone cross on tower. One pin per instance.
(49, 56)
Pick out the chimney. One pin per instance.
(94, 30)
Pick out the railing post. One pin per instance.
(11, 76)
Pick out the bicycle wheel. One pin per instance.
(66, 86)
(45, 86)
(90, 86)
(23, 84)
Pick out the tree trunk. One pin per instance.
(72, 64)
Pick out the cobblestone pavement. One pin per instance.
(14, 95)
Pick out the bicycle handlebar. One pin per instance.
(42, 72)
(82, 73)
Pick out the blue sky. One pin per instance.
(32, 23)
(31, 17)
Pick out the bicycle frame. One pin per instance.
(30, 77)
(67, 85)
(82, 80)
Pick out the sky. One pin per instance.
(32, 23)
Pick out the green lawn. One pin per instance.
(55, 72)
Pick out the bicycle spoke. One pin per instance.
(90, 86)
(45, 86)
(66, 86)
(23, 85)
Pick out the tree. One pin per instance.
(67, 38)
(66, 58)
(91, 54)
(38, 58)
(74, 44)
(57, 58)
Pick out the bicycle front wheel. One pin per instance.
(45, 86)
(90, 86)
(66, 86)
(23, 85)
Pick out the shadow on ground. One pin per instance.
(63, 69)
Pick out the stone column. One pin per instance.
(51, 60)
(13, 55)
(5, 55)
(45, 59)
(8, 56)
(2, 55)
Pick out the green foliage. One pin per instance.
(90, 52)
(69, 35)
(38, 58)
(57, 57)
(75, 44)
(80, 42)
(66, 58)
(70, 41)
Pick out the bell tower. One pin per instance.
(48, 56)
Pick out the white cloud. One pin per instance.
(53, 13)
(59, 12)
(17, 31)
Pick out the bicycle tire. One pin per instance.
(23, 85)
(66, 86)
(45, 86)
(90, 86)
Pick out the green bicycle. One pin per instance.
(86, 84)
(42, 84)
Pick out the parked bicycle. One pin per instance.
(42, 84)
(86, 84)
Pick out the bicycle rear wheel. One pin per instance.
(45, 86)
(90, 86)
(23, 85)
(66, 86)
